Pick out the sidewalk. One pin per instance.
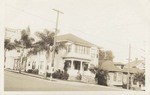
(28, 74)
(69, 82)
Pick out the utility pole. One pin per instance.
(128, 83)
(54, 46)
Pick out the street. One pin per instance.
(19, 82)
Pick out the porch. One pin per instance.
(76, 66)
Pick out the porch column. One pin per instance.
(72, 67)
(81, 67)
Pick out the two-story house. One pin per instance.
(78, 57)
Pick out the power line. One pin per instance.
(26, 12)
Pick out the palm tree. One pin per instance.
(139, 77)
(46, 43)
(8, 46)
(25, 42)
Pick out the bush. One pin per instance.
(56, 74)
(60, 75)
(79, 76)
(124, 86)
(101, 77)
(29, 71)
(35, 71)
(65, 76)
(48, 74)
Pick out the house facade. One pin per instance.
(78, 57)
(136, 66)
(115, 74)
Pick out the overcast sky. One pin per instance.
(111, 24)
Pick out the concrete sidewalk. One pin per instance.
(63, 81)
(29, 74)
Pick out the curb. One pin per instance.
(28, 74)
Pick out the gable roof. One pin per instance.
(133, 70)
(134, 63)
(74, 39)
(109, 66)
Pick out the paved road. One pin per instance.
(18, 82)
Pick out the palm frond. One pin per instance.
(60, 46)
(9, 45)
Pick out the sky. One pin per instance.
(111, 24)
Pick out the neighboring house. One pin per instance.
(135, 67)
(15, 57)
(119, 65)
(12, 57)
(115, 74)
(136, 64)
(118, 74)
(78, 57)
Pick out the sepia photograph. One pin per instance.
(75, 45)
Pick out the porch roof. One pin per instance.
(76, 56)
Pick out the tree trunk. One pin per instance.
(25, 64)
(21, 60)
(5, 57)
(46, 70)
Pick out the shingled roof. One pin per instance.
(133, 70)
(133, 63)
(109, 66)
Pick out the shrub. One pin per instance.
(29, 71)
(56, 74)
(60, 75)
(79, 76)
(65, 76)
(48, 74)
(101, 77)
(35, 71)
(124, 86)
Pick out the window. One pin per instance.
(76, 65)
(122, 66)
(108, 77)
(47, 67)
(33, 65)
(79, 49)
(119, 77)
(115, 76)
(29, 64)
(85, 66)
(41, 66)
(84, 52)
(69, 48)
(82, 49)
(93, 53)
(67, 65)
(76, 48)
(134, 82)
